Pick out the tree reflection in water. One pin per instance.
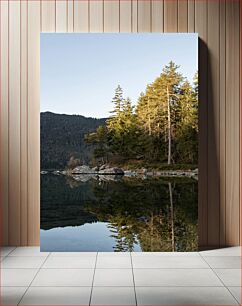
(157, 214)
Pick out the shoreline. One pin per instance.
(140, 172)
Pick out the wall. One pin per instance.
(217, 23)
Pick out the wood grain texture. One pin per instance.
(144, 15)
(61, 16)
(201, 28)
(81, 16)
(171, 15)
(182, 16)
(4, 170)
(111, 16)
(126, 16)
(222, 120)
(70, 16)
(217, 24)
(96, 16)
(33, 212)
(134, 16)
(24, 123)
(14, 121)
(213, 124)
(191, 16)
(232, 122)
(240, 124)
(48, 16)
(157, 15)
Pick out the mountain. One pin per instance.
(62, 137)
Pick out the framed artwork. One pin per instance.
(119, 142)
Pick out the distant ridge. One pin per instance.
(62, 136)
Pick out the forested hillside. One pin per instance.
(62, 139)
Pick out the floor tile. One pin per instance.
(184, 296)
(159, 254)
(175, 277)
(28, 251)
(231, 251)
(113, 277)
(73, 254)
(230, 277)
(113, 296)
(70, 262)
(57, 296)
(113, 254)
(169, 262)
(231, 262)
(236, 292)
(4, 251)
(64, 277)
(12, 295)
(17, 277)
(23, 262)
(117, 262)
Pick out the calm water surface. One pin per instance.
(122, 214)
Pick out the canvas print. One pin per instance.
(119, 142)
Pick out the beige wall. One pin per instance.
(217, 23)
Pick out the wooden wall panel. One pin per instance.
(48, 16)
(222, 120)
(96, 16)
(14, 121)
(182, 16)
(125, 16)
(213, 123)
(4, 122)
(81, 16)
(70, 16)
(33, 212)
(201, 28)
(61, 16)
(157, 15)
(144, 15)
(191, 16)
(111, 16)
(171, 15)
(232, 121)
(134, 16)
(217, 24)
(24, 122)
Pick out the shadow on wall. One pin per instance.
(210, 226)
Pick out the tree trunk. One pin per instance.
(149, 120)
(172, 219)
(169, 127)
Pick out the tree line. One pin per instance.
(162, 127)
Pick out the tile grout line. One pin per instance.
(220, 280)
(135, 296)
(14, 248)
(33, 279)
(239, 302)
(90, 299)
(106, 286)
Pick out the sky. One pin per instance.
(80, 71)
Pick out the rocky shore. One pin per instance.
(105, 172)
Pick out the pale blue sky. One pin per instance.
(79, 72)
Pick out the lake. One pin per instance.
(119, 214)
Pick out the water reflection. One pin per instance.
(130, 214)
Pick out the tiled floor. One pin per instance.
(29, 277)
